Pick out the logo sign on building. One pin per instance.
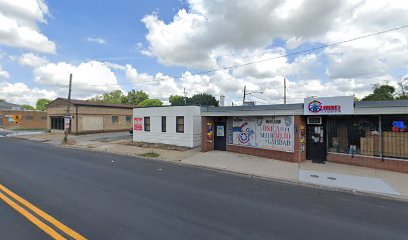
(138, 124)
(329, 106)
(275, 133)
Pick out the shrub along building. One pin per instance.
(89, 117)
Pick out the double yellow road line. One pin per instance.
(26, 209)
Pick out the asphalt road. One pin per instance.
(132, 198)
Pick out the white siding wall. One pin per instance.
(192, 125)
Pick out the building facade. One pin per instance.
(29, 119)
(174, 125)
(89, 117)
(271, 131)
(371, 134)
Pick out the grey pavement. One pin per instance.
(12, 133)
(106, 196)
(367, 184)
(339, 176)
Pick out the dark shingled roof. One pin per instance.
(9, 106)
(96, 104)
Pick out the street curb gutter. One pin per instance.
(227, 171)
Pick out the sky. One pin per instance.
(164, 47)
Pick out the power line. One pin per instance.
(266, 59)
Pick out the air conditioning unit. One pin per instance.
(314, 120)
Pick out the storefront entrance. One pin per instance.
(316, 143)
(220, 138)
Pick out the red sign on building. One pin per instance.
(138, 124)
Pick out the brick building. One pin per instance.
(371, 134)
(271, 131)
(30, 119)
(89, 117)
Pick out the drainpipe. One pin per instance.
(76, 118)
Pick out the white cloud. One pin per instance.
(32, 60)
(97, 40)
(18, 25)
(196, 35)
(212, 35)
(4, 73)
(89, 78)
(20, 93)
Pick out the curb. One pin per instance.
(227, 171)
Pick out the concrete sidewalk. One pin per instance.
(108, 142)
(332, 175)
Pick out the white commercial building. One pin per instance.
(175, 125)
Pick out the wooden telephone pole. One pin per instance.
(284, 91)
(67, 118)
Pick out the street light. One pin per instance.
(248, 93)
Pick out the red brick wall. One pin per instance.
(38, 121)
(205, 145)
(372, 162)
(296, 156)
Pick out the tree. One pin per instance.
(115, 97)
(151, 103)
(403, 89)
(381, 92)
(203, 99)
(2, 100)
(42, 104)
(28, 107)
(176, 100)
(136, 97)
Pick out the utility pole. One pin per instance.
(243, 98)
(185, 97)
(68, 115)
(284, 90)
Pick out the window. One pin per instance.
(128, 119)
(57, 123)
(354, 135)
(147, 124)
(115, 119)
(395, 136)
(29, 117)
(163, 124)
(180, 124)
(314, 120)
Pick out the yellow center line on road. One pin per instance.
(31, 218)
(40, 213)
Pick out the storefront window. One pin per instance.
(395, 136)
(354, 135)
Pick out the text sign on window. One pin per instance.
(138, 124)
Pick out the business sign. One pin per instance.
(138, 124)
(67, 123)
(275, 133)
(329, 106)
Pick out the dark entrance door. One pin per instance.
(220, 138)
(316, 143)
